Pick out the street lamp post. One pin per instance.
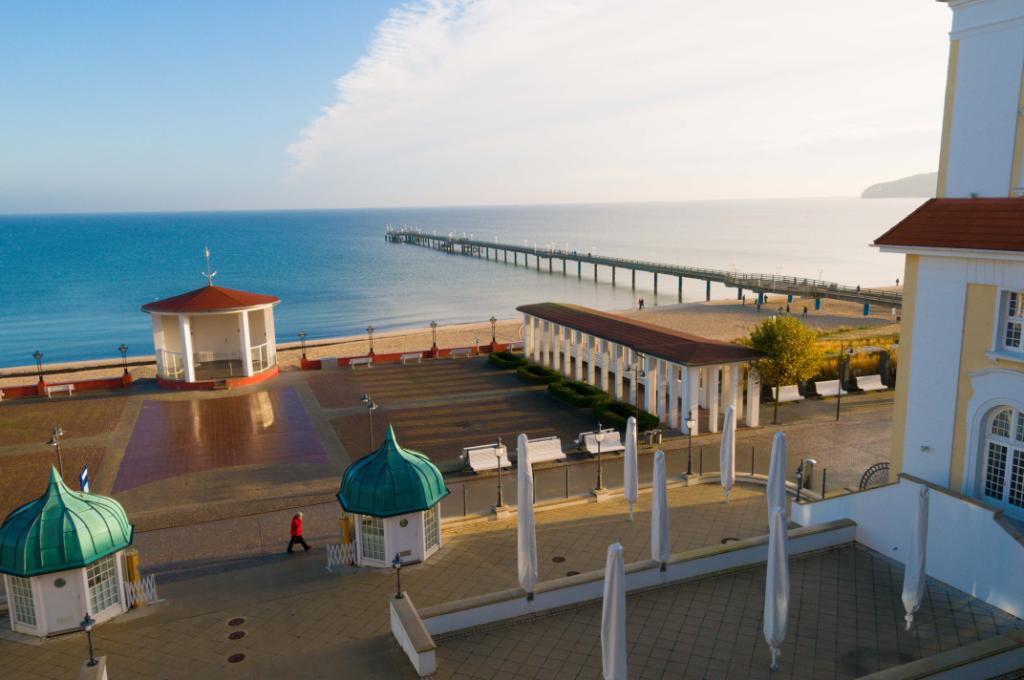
(369, 332)
(433, 337)
(123, 349)
(38, 356)
(497, 455)
(87, 623)
(690, 424)
(494, 323)
(55, 442)
(302, 339)
(397, 564)
(599, 437)
(370, 407)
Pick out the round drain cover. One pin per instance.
(558, 559)
(238, 621)
(572, 573)
(729, 539)
(235, 658)
(236, 635)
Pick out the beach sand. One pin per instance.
(718, 320)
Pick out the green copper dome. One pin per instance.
(391, 481)
(62, 529)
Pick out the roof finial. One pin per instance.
(208, 273)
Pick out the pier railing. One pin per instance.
(759, 283)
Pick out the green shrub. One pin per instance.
(540, 375)
(615, 413)
(507, 360)
(577, 393)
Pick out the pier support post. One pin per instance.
(613, 275)
(655, 284)
(549, 263)
(506, 256)
(579, 269)
(707, 291)
(680, 288)
(634, 278)
(739, 293)
(537, 257)
(515, 257)
(595, 272)
(563, 266)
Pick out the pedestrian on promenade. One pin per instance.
(297, 532)
(805, 311)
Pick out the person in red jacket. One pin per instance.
(297, 532)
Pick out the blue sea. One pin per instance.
(71, 285)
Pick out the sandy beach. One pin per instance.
(719, 320)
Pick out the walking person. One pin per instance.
(805, 311)
(297, 533)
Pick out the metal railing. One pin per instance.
(170, 365)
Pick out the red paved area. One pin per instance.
(173, 438)
(25, 475)
(28, 422)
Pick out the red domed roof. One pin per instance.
(210, 299)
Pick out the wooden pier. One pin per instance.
(756, 283)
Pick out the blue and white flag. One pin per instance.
(83, 478)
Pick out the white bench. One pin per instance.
(828, 388)
(871, 383)
(788, 393)
(361, 361)
(486, 457)
(516, 346)
(65, 387)
(461, 352)
(612, 441)
(412, 356)
(545, 449)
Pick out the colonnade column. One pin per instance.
(712, 398)
(606, 360)
(556, 347)
(617, 349)
(651, 387)
(673, 394)
(528, 335)
(545, 343)
(735, 371)
(692, 394)
(578, 368)
(245, 343)
(591, 355)
(753, 397)
(185, 328)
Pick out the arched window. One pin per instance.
(1002, 480)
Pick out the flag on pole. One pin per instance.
(83, 479)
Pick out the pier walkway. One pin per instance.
(757, 283)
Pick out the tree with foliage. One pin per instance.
(791, 353)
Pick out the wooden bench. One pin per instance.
(828, 388)
(486, 457)
(412, 356)
(461, 352)
(788, 393)
(612, 441)
(871, 383)
(543, 449)
(361, 361)
(62, 387)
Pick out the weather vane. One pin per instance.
(208, 273)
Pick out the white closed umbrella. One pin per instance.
(613, 616)
(776, 491)
(914, 575)
(659, 512)
(776, 585)
(527, 531)
(727, 452)
(629, 475)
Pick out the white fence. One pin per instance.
(140, 592)
(339, 554)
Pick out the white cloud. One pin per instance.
(507, 101)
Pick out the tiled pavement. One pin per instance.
(846, 620)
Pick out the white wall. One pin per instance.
(967, 548)
(216, 333)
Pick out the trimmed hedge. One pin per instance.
(615, 414)
(540, 375)
(577, 393)
(507, 360)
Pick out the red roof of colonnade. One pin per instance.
(210, 299)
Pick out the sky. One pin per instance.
(125, 106)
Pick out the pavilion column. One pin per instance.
(673, 394)
(693, 393)
(712, 398)
(651, 387)
(606, 360)
(537, 332)
(723, 395)
(753, 398)
(702, 399)
(578, 366)
(734, 390)
(591, 354)
(619, 361)
(268, 324)
(556, 348)
(549, 335)
(245, 343)
(527, 335)
(159, 342)
(185, 328)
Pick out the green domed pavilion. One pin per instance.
(395, 493)
(64, 545)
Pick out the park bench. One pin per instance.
(871, 383)
(788, 393)
(458, 352)
(652, 436)
(485, 457)
(612, 441)
(828, 388)
(412, 356)
(516, 346)
(361, 361)
(62, 387)
(543, 449)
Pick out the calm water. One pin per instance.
(72, 285)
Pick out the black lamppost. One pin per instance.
(302, 339)
(397, 564)
(370, 407)
(38, 356)
(87, 623)
(493, 334)
(497, 455)
(433, 336)
(690, 424)
(123, 349)
(599, 437)
(55, 442)
(369, 332)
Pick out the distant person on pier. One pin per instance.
(897, 282)
(640, 304)
(297, 533)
